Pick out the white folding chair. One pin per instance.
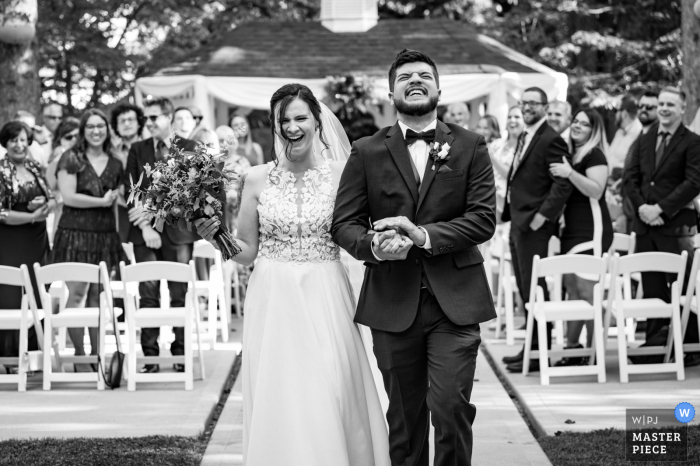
(73, 318)
(214, 289)
(690, 303)
(622, 305)
(164, 315)
(557, 310)
(20, 319)
(625, 243)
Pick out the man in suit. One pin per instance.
(534, 201)
(661, 179)
(172, 244)
(425, 290)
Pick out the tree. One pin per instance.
(691, 59)
(19, 81)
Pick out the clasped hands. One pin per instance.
(651, 214)
(395, 236)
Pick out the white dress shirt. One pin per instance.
(419, 151)
(530, 131)
(621, 143)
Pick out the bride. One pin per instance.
(308, 393)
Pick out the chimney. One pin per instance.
(349, 15)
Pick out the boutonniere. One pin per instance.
(439, 154)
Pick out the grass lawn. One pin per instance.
(134, 451)
(606, 448)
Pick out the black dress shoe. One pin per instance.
(513, 359)
(691, 360)
(572, 361)
(517, 367)
(179, 367)
(150, 369)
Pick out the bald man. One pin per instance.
(559, 118)
(458, 114)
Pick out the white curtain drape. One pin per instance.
(253, 92)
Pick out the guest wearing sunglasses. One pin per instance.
(65, 139)
(171, 244)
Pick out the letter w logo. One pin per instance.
(685, 412)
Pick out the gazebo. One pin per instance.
(243, 68)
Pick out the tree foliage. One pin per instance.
(93, 50)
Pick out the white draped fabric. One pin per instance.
(253, 92)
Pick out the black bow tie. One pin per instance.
(412, 136)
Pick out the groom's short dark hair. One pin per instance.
(410, 56)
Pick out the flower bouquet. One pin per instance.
(184, 188)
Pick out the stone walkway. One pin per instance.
(501, 437)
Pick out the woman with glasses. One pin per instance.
(246, 147)
(589, 175)
(89, 179)
(25, 202)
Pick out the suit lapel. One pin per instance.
(442, 135)
(530, 146)
(675, 139)
(396, 144)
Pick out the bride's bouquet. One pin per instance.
(184, 188)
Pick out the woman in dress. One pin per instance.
(589, 175)
(246, 147)
(88, 179)
(25, 202)
(502, 152)
(488, 127)
(309, 398)
(66, 138)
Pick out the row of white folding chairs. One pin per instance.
(507, 287)
(100, 317)
(620, 303)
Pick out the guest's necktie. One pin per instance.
(161, 151)
(517, 158)
(412, 136)
(660, 147)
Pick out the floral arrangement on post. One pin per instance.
(186, 187)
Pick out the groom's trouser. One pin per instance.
(429, 369)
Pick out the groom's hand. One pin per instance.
(391, 246)
(402, 225)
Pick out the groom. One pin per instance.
(425, 289)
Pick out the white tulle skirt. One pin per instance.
(309, 398)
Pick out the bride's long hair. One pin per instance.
(278, 106)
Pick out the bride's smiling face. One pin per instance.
(298, 127)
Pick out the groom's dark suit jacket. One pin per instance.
(456, 207)
(140, 154)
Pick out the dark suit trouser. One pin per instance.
(658, 284)
(429, 369)
(524, 246)
(150, 292)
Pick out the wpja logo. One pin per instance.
(658, 434)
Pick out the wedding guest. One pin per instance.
(588, 174)
(559, 118)
(127, 121)
(240, 165)
(661, 179)
(89, 179)
(534, 201)
(629, 129)
(183, 122)
(65, 139)
(172, 244)
(648, 104)
(246, 146)
(51, 116)
(40, 148)
(488, 128)
(502, 152)
(198, 119)
(458, 113)
(25, 202)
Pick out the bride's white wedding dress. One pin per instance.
(309, 398)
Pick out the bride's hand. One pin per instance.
(207, 228)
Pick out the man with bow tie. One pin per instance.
(661, 179)
(414, 203)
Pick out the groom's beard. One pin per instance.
(416, 110)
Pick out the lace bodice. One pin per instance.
(293, 232)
